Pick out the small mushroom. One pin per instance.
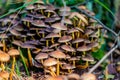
(4, 75)
(41, 56)
(73, 76)
(13, 53)
(59, 55)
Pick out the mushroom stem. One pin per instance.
(38, 33)
(28, 24)
(60, 34)
(29, 57)
(73, 36)
(52, 72)
(2, 66)
(58, 67)
(41, 61)
(3, 24)
(41, 12)
(12, 70)
(77, 45)
(52, 40)
(84, 53)
(47, 43)
(73, 62)
(69, 70)
(78, 34)
(43, 35)
(4, 45)
(79, 22)
(48, 14)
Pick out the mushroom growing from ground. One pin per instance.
(59, 55)
(50, 62)
(4, 75)
(41, 56)
(13, 53)
(4, 57)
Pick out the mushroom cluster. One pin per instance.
(57, 47)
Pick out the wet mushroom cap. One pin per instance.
(68, 66)
(4, 74)
(78, 40)
(88, 57)
(64, 39)
(38, 23)
(52, 35)
(88, 76)
(4, 57)
(41, 56)
(73, 76)
(68, 48)
(50, 62)
(13, 52)
(83, 48)
(59, 26)
(57, 54)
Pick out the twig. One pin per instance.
(63, 18)
(96, 20)
(95, 66)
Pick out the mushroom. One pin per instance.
(52, 36)
(65, 39)
(50, 62)
(3, 36)
(77, 41)
(84, 48)
(4, 57)
(73, 31)
(4, 75)
(59, 55)
(41, 56)
(88, 76)
(87, 58)
(13, 53)
(28, 46)
(68, 67)
(73, 76)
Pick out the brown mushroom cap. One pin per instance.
(41, 56)
(88, 76)
(57, 54)
(64, 39)
(52, 35)
(30, 7)
(78, 40)
(83, 48)
(50, 62)
(72, 30)
(59, 26)
(54, 45)
(73, 76)
(4, 75)
(62, 9)
(4, 57)
(13, 52)
(38, 23)
(68, 48)
(88, 57)
(68, 66)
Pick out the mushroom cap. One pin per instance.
(88, 57)
(38, 23)
(73, 76)
(3, 36)
(57, 54)
(59, 26)
(68, 48)
(4, 74)
(72, 30)
(54, 45)
(50, 62)
(4, 57)
(83, 48)
(46, 49)
(41, 56)
(55, 78)
(88, 32)
(88, 76)
(68, 21)
(64, 39)
(50, 20)
(68, 66)
(13, 52)
(94, 44)
(78, 40)
(52, 35)
(25, 45)
(17, 42)
(14, 32)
